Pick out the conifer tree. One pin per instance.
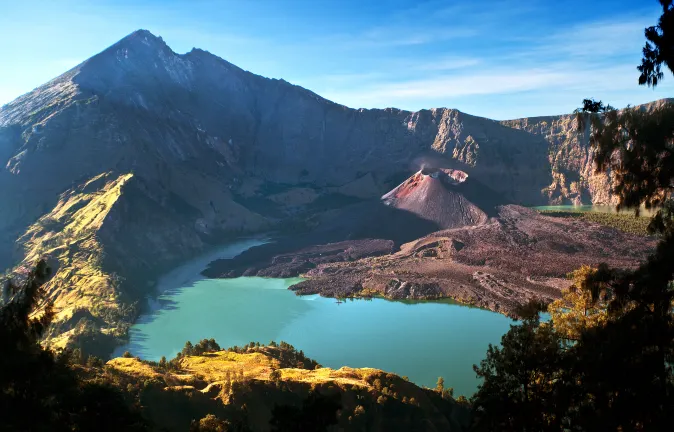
(616, 374)
(38, 389)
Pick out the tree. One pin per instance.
(275, 375)
(188, 349)
(318, 413)
(659, 47)
(577, 311)
(210, 423)
(203, 346)
(637, 146)
(440, 385)
(38, 389)
(625, 365)
(518, 392)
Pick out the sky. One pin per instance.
(500, 59)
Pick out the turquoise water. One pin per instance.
(591, 208)
(423, 340)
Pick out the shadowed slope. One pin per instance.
(432, 194)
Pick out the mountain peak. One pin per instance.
(143, 36)
(131, 63)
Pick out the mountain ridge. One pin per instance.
(204, 150)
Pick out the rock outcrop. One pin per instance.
(570, 159)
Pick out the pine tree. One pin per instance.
(517, 393)
(616, 374)
(38, 389)
(440, 385)
(577, 310)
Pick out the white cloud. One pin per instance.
(448, 63)
(490, 82)
(609, 83)
(596, 59)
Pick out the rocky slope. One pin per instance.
(517, 256)
(435, 195)
(139, 158)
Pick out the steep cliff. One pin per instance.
(570, 160)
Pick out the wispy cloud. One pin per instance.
(494, 57)
(395, 36)
(447, 64)
(431, 22)
(448, 87)
(409, 36)
(595, 59)
(591, 41)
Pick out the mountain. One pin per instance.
(435, 194)
(140, 158)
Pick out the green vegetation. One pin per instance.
(624, 222)
(285, 353)
(251, 387)
(41, 390)
(606, 359)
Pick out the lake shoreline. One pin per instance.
(519, 256)
(358, 333)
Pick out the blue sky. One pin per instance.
(498, 59)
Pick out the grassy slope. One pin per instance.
(68, 235)
(222, 382)
(624, 222)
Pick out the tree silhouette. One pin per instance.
(659, 47)
(637, 146)
(616, 374)
(518, 392)
(318, 413)
(38, 389)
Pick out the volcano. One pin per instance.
(436, 194)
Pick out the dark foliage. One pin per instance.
(659, 47)
(39, 391)
(617, 376)
(285, 353)
(517, 393)
(211, 423)
(317, 413)
(203, 346)
(636, 146)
